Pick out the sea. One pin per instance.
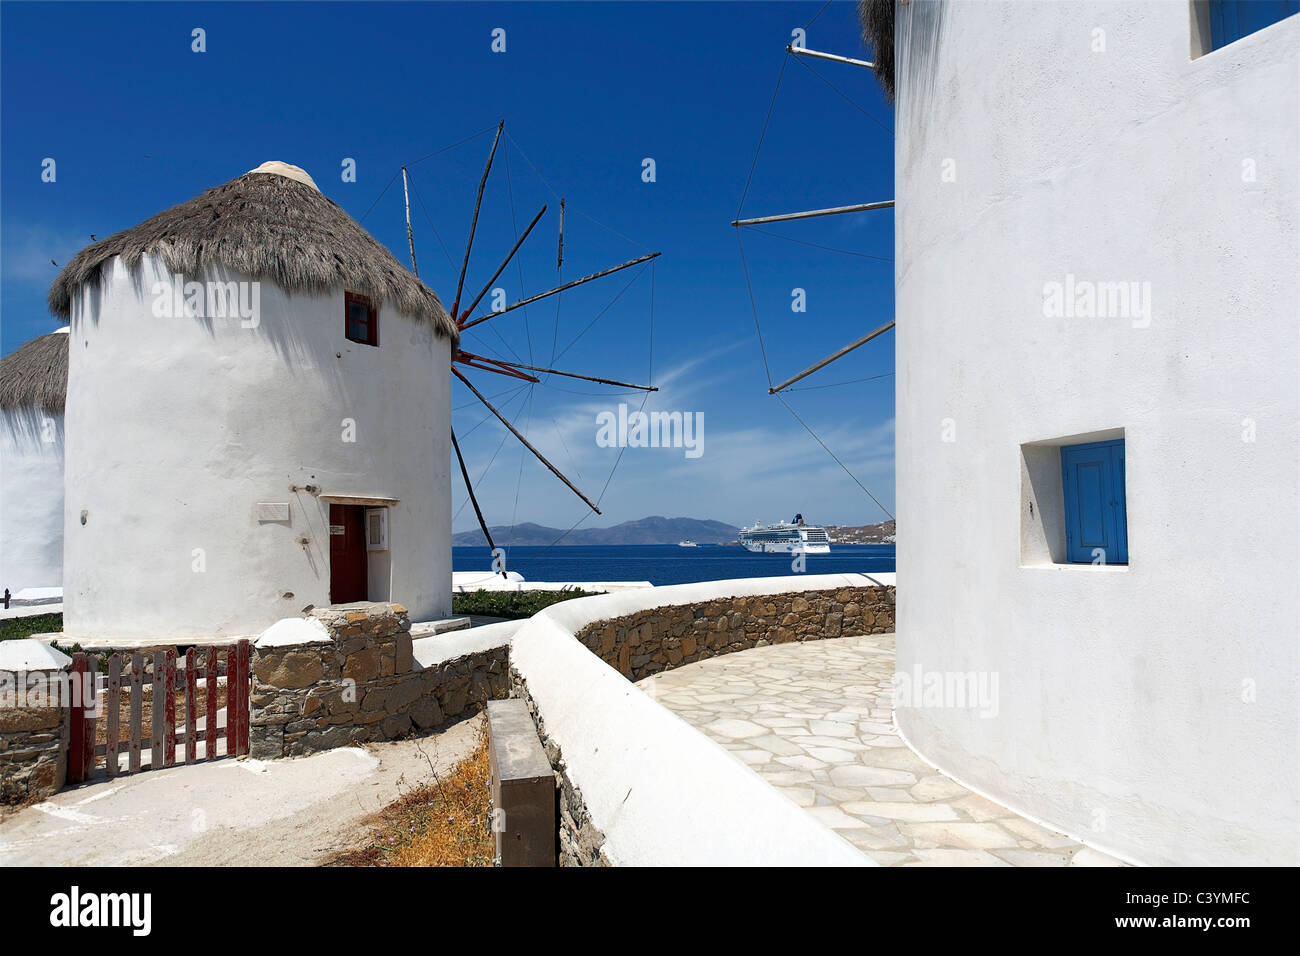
(667, 563)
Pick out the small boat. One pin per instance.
(687, 544)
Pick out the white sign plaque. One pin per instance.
(272, 511)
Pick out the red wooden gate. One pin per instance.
(124, 686)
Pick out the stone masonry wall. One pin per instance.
(361, 684)
(33, 747)
(657, 639)
(580, 841)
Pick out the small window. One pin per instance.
(1096, 513)
(1229, 20)
(376, 529)
(361, 319)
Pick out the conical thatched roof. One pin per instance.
(36, 376)
(877, 18)
(270, 224)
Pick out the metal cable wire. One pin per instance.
(762, 136)
(833, 455)
(803, 242)
(852, 381)
(754, 305)
(844, 96)
(818, 14)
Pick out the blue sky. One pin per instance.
(137, 122)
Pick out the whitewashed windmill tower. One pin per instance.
(257, 418)
(33, 381)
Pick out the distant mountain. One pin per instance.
(654, 530)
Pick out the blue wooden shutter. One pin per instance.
(1230, 20)
(1096, 514)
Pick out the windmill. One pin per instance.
(463, 359)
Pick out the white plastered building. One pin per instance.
(257, 419)
(1097, 408)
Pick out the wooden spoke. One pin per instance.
(468, 358)
(567, 285)
(505, 262)
(478, 202)
(814, 213)
(464, 473)
(831, 358)
(514, 431)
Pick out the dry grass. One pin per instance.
(445, 822)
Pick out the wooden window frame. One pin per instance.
(1114, 512)
(1217, 24)
(372, 318)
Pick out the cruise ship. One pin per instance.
(786, 537)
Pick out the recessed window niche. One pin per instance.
(1073, 502)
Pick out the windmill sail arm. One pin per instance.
(562, 288)
(464, 473)
(502, 268)
(833, 57)
(554, 371)
(514, 431)
(473, 225)
(485, 364)
(832, 357)
(813, 213)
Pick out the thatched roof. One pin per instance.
(269, 225)
(36, 376)
(877, 17)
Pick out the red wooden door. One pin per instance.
(348, 577)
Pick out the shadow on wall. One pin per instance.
(918, 34)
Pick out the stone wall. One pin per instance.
(346, 675)
(34, 720)
(33, 752)
(661, 638)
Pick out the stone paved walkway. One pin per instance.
(814, 721)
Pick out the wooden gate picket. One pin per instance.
(191, 698)
(155, 713)
(81, 733)
(169, 708)
(137, 709)
(113, 729)
(210, 721)
(129, 674)
(244, 654)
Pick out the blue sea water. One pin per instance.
(667, 563)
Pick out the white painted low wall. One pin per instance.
(439, 648)
(661, 792)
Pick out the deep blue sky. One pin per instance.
(138, 122)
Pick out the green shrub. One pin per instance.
(16, 628)
(511, 604)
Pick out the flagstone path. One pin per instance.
(814, 720)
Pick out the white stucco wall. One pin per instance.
(178, 427)
(1152, 710)
(31, 500)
